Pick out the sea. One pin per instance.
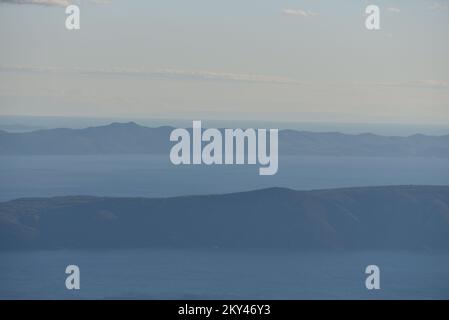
(220, 274)
(214, 273)
(156, 176)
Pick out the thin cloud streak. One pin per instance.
(52, 3)
(38, 2)
(298, 13)
(394, 10)
(190, 75)
(173, 74)
(438, 5)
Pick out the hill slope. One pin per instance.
(402, 217)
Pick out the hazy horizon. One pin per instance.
(14, 123)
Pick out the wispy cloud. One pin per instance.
(173, 74)
(435, 84)
(60, 3)
(299, 12)
(202, 75)
(432, 83)
(393, 10)
(221, 76)
(39, 2)
(438, 5)
(100, 1)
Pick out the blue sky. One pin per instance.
(283, 60)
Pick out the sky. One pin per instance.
(207, 59)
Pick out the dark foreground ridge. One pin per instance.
(393, 217)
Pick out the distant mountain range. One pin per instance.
(131, 138)
(394, 217)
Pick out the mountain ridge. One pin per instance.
(132, 138)
(377, 218)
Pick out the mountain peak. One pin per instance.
(124, 124)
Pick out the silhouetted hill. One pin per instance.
(366, 144)
(399, 217)
(116, 138)
(126, 138)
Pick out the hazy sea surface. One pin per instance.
(218, 274)
(214, 274)
(155, 176)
